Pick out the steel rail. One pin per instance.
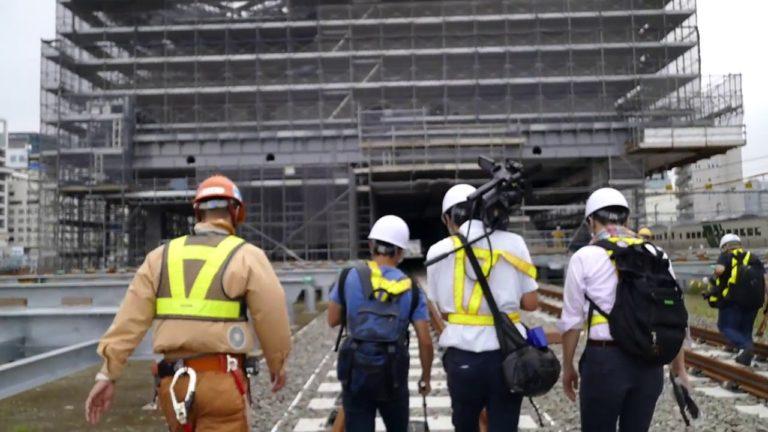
(742, 377)
(704, 335)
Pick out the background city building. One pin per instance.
(661, 200)
(329, 114)
(4, 174)
(713, 188)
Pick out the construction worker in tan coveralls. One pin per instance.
(197, 289)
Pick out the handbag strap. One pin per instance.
(502, 323)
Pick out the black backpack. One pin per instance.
(648, 320)
(749, 290)
(373, 358)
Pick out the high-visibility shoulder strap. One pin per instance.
(390, 288)
(746, 259)
(597, 319)
(520, 264)
(629, 241)
(488, 261)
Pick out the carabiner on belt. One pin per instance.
(182, 408)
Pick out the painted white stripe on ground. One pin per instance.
(310, 425)
(758, 410)
(322, 404)
(415, 402)
(332, 387)
(412, 372)
(527, 422)
(307, 384)
(416, 373)
(436, 423)
(335, 387)
(542, 316)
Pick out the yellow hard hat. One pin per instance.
(645, 232)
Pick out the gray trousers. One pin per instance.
(617, 390)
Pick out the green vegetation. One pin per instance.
(699, 307)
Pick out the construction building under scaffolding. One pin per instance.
(330, 113)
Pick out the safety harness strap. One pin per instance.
(479, 320)
(384, 288)
(471, 314)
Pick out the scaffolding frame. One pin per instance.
(298, 99)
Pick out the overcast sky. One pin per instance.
(734, 39)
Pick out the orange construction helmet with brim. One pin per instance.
(220, 188)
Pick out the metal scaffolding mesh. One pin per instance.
(302, 100)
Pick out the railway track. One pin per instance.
(728, 374)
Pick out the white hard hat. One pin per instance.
(605, 197)
(391, 229)
(457, 195)
(729, 238)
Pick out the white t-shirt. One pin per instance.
(590, 272)
(507, 285)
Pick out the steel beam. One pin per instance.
(34, 371)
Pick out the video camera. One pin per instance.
(494, 201)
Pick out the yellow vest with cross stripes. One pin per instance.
(470, 315)
(191, 285)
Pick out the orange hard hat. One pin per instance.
(220, 188)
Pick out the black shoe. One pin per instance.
(745, 357)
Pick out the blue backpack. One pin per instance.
(373, 358)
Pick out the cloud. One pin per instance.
(733, 41)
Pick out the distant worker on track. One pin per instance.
(739, 293)
(473, 357)
(376, 301)
(645, 233)
(623, 288)
(198, 288)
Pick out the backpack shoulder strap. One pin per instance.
(415, 293)
(342, 298)
(592, 308)
(364, 273)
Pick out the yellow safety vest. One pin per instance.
(207, 299)
(471, 314)
(734, 273)
(597, 317)
(384, 288)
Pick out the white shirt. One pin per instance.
(590, 273)
(507, 285)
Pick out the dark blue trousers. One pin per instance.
(736, 324)
(617, 389)
(360, 412)
(475, 381)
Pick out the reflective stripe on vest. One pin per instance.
(478, 320)
(383, 288)
(197, 305)
(471, 314)
(734, 270)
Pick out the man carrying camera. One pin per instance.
(473, 357)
